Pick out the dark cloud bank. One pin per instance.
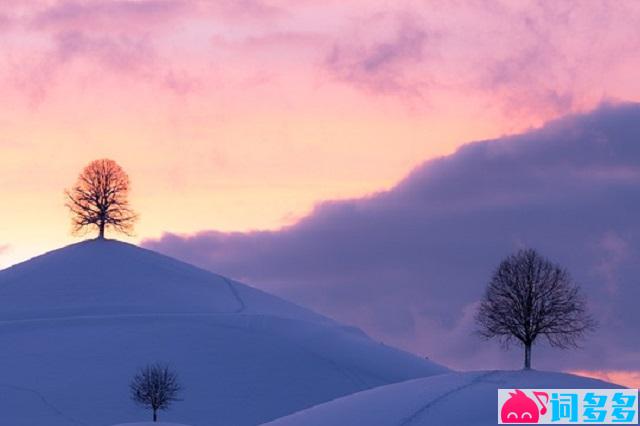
(409, 265)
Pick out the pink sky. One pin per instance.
(238, 115)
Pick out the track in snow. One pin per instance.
(416, 415)
(44, 400)
(242, 306)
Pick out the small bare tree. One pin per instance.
(529, 296)
(100, 198)
(155, 387)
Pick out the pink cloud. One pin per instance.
(5, 21)
(531, 57)
(121, 53)
(98, 16)
(519, 60)
(144, 39)
(386, 65)
(143, 15)
(244, 9)
(286, 40)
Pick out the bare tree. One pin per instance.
(529, 296)
(100, 198)
(155, 387)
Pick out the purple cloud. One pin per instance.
(409, 265)
(128, 55)
(119, 34)
(120, 53)
(384, 65)
(108, 16)
(123, 37)
(135, 38)
(525, 58)
(144, 14)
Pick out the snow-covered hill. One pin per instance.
(76, 323)
(461, 399)
(110, 277)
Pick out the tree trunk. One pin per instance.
(155, 415)
(101, 234)
(527, 356)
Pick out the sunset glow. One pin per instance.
(247, 114)
(322, 151)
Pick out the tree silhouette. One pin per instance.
(529, 296)
(100, 198)
(155, 387)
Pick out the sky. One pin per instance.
(410, 264)
(323, 150)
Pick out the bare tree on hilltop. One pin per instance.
(529, 296)
(100, 199)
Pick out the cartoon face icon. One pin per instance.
(519, 408)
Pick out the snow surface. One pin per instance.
(150, 424)
(76, 323)
(460, 399)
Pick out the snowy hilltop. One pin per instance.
(460, 399)
(77, 322)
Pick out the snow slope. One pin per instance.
(460, 399)
(76, 323)
(150, 424)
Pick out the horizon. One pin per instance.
(371, 161)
